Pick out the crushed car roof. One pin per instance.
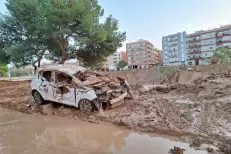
(63, 68)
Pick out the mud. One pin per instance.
(201, 108)
(20, 133)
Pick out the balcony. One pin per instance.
(223, 33)
(194, 58)
(194, 52)
(193, 40)
(222, 41)
(194, 46)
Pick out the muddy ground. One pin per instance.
(200, 109)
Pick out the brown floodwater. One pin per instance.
(34, 134)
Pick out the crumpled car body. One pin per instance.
(77, 86)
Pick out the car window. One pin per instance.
(63, 78)
(46, 75)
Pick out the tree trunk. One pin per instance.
(64, 54)
(62, 44)
(39, 61)
(35, 67)
(147, 88)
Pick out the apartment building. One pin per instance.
(141, 54)
(123, 56)
(113, 60)
(160, 58)
(202, 44)
(174, 49)
(118, 56)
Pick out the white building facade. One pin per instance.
(174, 49)
(202, 44)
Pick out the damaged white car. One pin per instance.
(79, 87)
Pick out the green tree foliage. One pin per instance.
(221, 56)
(33, 26)
(72, 19)
(3, 70)
(122, 64)
(104, 40)
(22, 45)
(4, 58)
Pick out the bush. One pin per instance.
(3, 70)
(169, 72)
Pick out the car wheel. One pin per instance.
(86, 105)
(38, 98)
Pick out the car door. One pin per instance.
(64, 92)
(45, 87)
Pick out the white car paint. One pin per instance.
(48, 90)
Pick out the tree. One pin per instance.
(36, 25)
(70, 19)
(3, 70)
(221, 56)
(104, 40)
(24, 39)
(122, 64)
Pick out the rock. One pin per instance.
(35, 108)
(47, 109)
(196, 142)
(225, 148)
(191, 106)
(28, 105)
(209, 149)
(177, 150)
(66, 111)
(93, 121)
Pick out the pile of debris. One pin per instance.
(108, 89)
(176, 150)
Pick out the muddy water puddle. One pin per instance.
(34, 134)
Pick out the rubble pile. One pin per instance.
(201, 108)
(106, 87)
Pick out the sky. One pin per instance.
(153, 19)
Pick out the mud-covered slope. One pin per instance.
(15, 95)
(202, 107)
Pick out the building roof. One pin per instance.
(226, 27)
(138, 41)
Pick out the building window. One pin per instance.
(226, 38)
(208, 35)
(136, 45)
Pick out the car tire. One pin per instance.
(37, 97)
(86, 105)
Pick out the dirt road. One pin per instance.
(201, 108)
